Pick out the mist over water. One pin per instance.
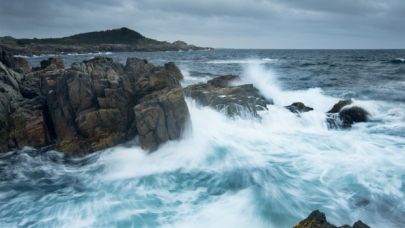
(224, 172)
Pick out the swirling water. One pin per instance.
(235, 172)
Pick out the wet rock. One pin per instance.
(317, 219)
(343, 118)
(56, 61)
(338, 106)
(23, 118)
(232, 100)
(93, 105)
(298, 107)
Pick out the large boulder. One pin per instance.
(317, 219)
(232, 100)
(93, 105)
(341, 117)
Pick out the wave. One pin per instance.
(398, 61)
(244, 61)
(98, 53)
(223, 173)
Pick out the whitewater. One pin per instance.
(228, 172)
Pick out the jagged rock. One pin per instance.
(91, 106)
(7, 59)
(317, 219)
(173, 70)
(56, 61)
(340, 117)
(23, 116)
(298, 107)
(20, 62)
(231, 100)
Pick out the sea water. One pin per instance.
(239, 172)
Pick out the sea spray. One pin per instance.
(225, 172)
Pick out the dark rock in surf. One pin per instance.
(340, 117)
(298, 107)
(91, 106)
(338, 106)
(231, 100)
(317, 219)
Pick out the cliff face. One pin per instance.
(91, 106)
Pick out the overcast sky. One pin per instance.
(280, 24)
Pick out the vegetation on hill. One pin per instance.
(114, 36)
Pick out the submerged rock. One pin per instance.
(298, 107)
(317, 219)
(93, 105)
(340, 117)
(231, 100)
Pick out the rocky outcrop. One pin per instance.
(340, 117)
(21, 63)
(298, 107)
(7, 59)
(36, 49)
(317, 219)
(23, 111)
(14, 63)
(56, 61)
(91, 106)
(173, 70)
(232, 100)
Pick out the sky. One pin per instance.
(267, 24)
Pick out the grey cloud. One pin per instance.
(218, 23)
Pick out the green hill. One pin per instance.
(114, 36)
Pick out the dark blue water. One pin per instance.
(236, 172)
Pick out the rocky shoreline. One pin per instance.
(36, 49)
(99, 103)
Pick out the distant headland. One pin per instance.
(115, 40)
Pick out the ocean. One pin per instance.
(235, 172)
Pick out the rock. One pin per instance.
(23, 117)
(232, 100)
(317, 219)
(173, 70)
(21, 63)
(298, 107)
(91, 106)
(338, 106)
(356, 114)
(7, 59)
(343, 118)
(56, 61)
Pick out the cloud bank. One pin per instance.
(304, 24)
